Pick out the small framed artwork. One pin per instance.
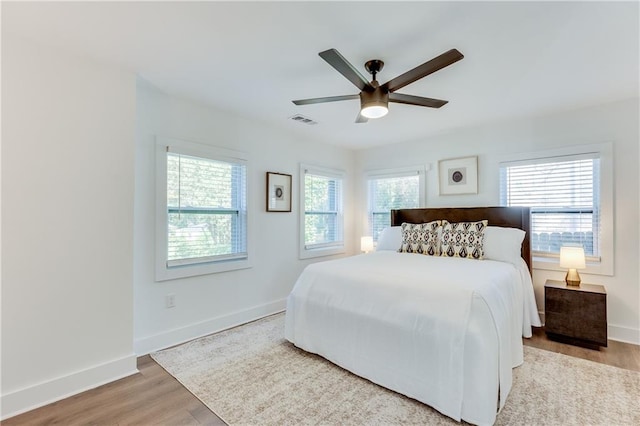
(458, 176)
(278, 192)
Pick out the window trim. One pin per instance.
(327, 249)
(395, 172)
(190, 269)
(607, 230)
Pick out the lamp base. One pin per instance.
(572, 277)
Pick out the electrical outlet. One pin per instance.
(170, 301)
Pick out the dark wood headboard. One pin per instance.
(509, 217)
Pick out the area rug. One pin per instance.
(250, 375)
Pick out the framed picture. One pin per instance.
(278, 192)
(458, 176)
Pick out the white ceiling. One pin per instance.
(252, 59)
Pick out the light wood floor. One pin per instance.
(153, 397)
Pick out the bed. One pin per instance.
(446, 331)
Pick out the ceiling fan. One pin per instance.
(375, 98)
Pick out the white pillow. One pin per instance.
(503, 244)
(390, 239)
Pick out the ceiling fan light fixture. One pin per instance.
(374, 110)
(374, 104)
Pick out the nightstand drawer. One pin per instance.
(576, 327)
(590, 306)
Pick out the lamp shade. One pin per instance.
(366, 244)
(572, 257)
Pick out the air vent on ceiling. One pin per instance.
(302, 119)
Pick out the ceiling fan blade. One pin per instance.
(423, 70)
(327, 99)
(337, 61)
(400, 98)
(361, 118)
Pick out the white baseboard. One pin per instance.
(623, 334)
(38, 395)
(617, 333)
(180, 335)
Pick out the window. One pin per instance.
(202, 210)
(392, 189)
(564, 196)
(322, 228)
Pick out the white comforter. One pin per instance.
(402, 320)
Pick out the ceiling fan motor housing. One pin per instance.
(377, 97)
(377, 100)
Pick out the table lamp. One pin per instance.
(366, 244)
(573, 259)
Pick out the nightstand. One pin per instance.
(576, 314)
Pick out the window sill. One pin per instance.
(165, 274)
(593, 268)
(320, 252)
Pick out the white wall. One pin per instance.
(67, 219)
(208, 303)
(615, 122)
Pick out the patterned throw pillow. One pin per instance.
(463, 239)
(420, 238)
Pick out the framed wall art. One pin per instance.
(458, 176)
(278, 192)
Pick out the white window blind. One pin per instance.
(564, 196)
(206, 209)
(391, 191)
(323, 218)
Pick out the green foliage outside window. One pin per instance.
(386, 194)
(321, 205)
(203, 199)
